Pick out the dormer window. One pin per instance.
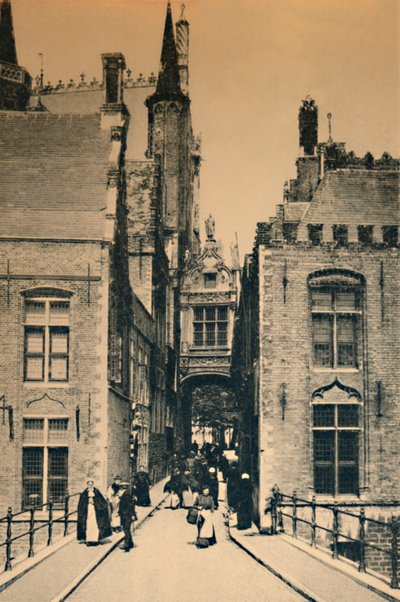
(340, 235)
(315, 233)
(390, 235)
(365, 234)
(210, 280)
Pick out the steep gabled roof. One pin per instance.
(355, 197)
(53, 175)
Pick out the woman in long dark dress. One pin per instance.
(142, 486)
(174, 487)
(245, 503)
(205, 524)
(93, 516)
(233, 486)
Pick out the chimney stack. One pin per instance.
(308, 127)
(113, 68)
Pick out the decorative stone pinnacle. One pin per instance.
(329, 116)
(182, 17)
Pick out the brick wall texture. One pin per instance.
(285, 357)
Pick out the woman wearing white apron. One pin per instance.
(205, 523)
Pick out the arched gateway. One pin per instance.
(208, 302)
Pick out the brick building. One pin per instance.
(316, 352)
(95, 225)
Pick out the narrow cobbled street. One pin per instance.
(166, 566)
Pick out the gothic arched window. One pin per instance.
(336, 421)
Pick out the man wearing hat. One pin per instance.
(127, 513)
(213, 484)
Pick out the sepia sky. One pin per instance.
(251, 64)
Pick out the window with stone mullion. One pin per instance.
(210, 326)
(335, 449)
(334, 328)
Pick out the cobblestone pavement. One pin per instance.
(166, 566)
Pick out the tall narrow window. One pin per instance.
(46, 340)
(336, 314)
(45, 461)
(335, 441)
(210, 326)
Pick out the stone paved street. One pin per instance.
(166, 566)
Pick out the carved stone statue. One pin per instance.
(210, 227)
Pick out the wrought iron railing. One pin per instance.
(283, 505)
(36, 523)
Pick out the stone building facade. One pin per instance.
(94, 228)
(208, 304)
(316, 354)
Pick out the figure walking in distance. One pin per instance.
(113, 498)
(142, 487)
(205, 524)
(127, 513)
(245, 502)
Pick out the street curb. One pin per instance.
(355, 578)
(297, 587)
(31, 563)
(71, 587)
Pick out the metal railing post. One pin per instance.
(8, 565)
(313, 522)
(66, 512)
(273, 515)
(294, 514)
(50, 527)
(394, 525)
(280, 515)
(31, 552)
(361, 566)
(335, 531)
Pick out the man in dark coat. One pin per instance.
(223, 465)
(142, 484)
(93, 516)
(127, 514)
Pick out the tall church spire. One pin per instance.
(8, 51)
(168, 78)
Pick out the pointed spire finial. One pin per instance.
(182, 17)
(8, 51)
(329, 116)
(168, 79)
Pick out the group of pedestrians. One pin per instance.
(194, 485)
(99, 516)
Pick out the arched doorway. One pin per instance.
(209, 409)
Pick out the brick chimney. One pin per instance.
(113, 110)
